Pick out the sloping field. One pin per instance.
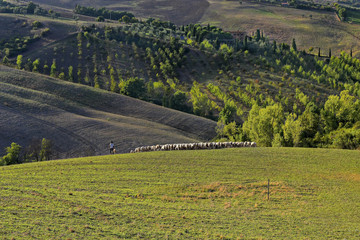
(179, 12)
(82, 120)
(205, 194)
(318, 29)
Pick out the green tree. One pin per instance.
(36, 65)
(201, 103)
(274, 46)
(100, 19)
(290, 130)
(228, 112)
(257, 36)
(308, 127)
(53, 69)
(178, 101)
(19, 61)
(293, 45)
(340, 111)
(265, 124)
(229, 132)
(31, 7)
(13, 154)
(71, 74)
(46, 150)
(96, 81)
(32, 152)
(125, 19)
(113, 84)
(133, 87)
(46, 69)
(5, 60)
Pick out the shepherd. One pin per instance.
(112, 149)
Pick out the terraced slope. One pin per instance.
(82, 120)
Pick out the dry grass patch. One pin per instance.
(225, 191)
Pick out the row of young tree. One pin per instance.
(38, 150)
(101, 51)
(105, 13)
(29, 8)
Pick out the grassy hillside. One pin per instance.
(309, 28)
(180, 12)
(208, 194)
(82, 120)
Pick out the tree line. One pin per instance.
(105, 13)
(30, 8)
(38, 150)
(270, 95)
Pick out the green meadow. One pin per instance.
(205, 194)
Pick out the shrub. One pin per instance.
(13, 154)
(37, 24)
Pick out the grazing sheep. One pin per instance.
(193, 146)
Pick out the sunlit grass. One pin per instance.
(186, 194)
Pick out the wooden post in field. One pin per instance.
(268, 189)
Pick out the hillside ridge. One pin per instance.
(56, 107)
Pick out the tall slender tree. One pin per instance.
(293, 45)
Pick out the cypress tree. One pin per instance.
(5, 60)
(245, 43)
(351, 52)
(329, 52)
(53, 69)
(257, 37)
(319, 53)
(19, 61)
(293, 45)
(274, 46)
(71, 74)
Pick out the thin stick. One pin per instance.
(268, 189)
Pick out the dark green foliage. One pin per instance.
(100, 19)
(179, 101)
(13, 155)
(257, 36)
(16, 45)
(46, 150)
(37, 24)
(133, 87)
(157, 61)
(31, 8)
(104, 13)
(293, 45)
(19, 61)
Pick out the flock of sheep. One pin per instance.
(193, 146)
